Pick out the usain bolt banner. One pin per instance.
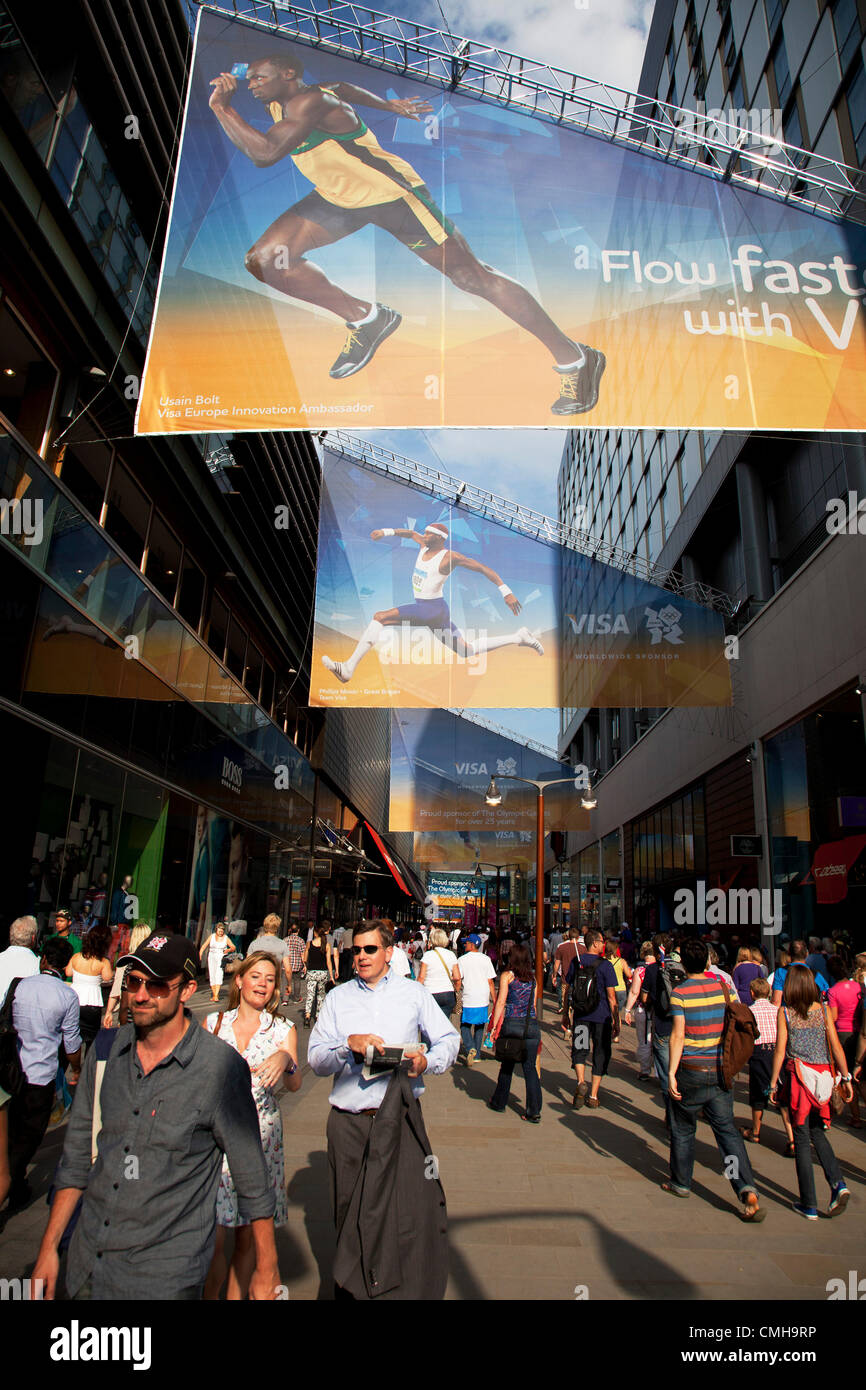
(349, 246)
(421, 604)
(441, 766)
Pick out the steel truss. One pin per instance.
(715, 148)
(379, 459)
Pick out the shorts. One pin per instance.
(426, 612)
(593, 1039)
(396, 217)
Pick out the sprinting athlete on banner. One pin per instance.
(434, 564)
(357, 182)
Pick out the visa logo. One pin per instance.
(593, 623)
(471, 769)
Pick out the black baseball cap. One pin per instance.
(163, 955)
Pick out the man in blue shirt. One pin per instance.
(799, 956)
(379, 1009)
(595, 1032)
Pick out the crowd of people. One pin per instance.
(174, 1139)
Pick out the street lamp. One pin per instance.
(493, 797)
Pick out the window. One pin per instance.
(793, 129)
(736, 91)
(856, 96)
(781, 70)
(253, 671)
(191, 594)
(847, 25)
(236, 648)
(127, 514)
(163, 558)
(27, 379)
(774, 14)
(267, 696)
(84, 470)
(217, 628)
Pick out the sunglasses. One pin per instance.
(156, 989)
(368, 950)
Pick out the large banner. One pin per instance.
(422, 604)
(454, 849)
(350, 246)
(441, 766)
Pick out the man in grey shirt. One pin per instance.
(173, 1100)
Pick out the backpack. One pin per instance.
(584, 990)
(670, 975)
(12, 1077)
(739, 1033)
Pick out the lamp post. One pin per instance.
(494, 798)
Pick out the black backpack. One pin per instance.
(12, 1077)
(585, 997)
(671, 974)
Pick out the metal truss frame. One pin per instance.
(716, 148)
(437, 483)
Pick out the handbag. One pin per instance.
(515, 1049)
(12, 1078)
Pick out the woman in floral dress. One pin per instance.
(269, 1045)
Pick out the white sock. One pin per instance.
(359, 323)
(571, 366)
(491, 644)
(369, 638)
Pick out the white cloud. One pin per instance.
(604, 40)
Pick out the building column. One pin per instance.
(586, 743)
(752, 506)
(855, 465)
(626, 730)
(606, 740)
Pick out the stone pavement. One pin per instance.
(565, 1209)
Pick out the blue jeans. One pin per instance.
(813, 1128)
(644, 1049)
(470, 1031)
(700, 1091)
(513, 1028)
(661, 1061)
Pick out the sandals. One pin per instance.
(750, 1136)
(592, 1102)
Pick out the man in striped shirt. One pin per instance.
(698, 1013)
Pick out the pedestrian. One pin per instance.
(294, 961)
(477, 977)
(389, 1207)
(63, 930)
(45, 1016)
(173, 1101)
(745, 971)
(799, 953)
(438, 971)
(715, 969)
(515, 1016)
(759, 959)
(698, 1011)
(269, 1046)
(621, 969)
(88, 970)
(319, 970)
(636, 1013)
(271, 942)
(783, 960)
(660, 979)
(594, 1016)
(761, 1061)
(563, 956)
(217, 945)
(20, 958)
(807, 1046)
(116, 1010)
(845, 1002)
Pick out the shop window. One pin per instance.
(127, 514)
(27, 379)
(163, 558)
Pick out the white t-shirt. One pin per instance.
(437, 976)
(17, 962)
(475, 970)
(400, 962)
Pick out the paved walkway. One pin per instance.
(568, 1208)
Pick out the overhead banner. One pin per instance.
(441, 766)
(349, 246)
(452, 849)
(421, 604)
